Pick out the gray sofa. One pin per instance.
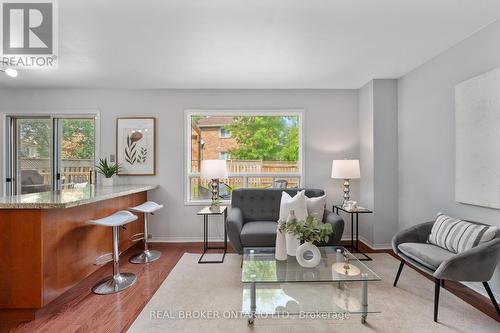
(252, 218)
(476, 264)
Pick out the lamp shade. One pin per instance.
(213, 169)
(345, 169)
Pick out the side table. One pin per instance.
(354, 212)
(207, 212)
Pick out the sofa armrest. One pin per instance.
(417, 234)
(476, 264)
(337, 223)
(234, 224)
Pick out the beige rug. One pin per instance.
(213, 290)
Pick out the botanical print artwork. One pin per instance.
(136, 145)
(134, 152)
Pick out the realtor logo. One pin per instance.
(29, 33)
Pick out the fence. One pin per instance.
(239, 166)
(73, 170)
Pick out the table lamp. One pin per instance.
(214, 170)
(346, 170)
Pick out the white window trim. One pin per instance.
(85, 113)
(188, 175)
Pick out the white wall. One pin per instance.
(427, 132)
(331, 132)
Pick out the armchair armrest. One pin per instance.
(234, 224)
(337, 223)
(476, 264)
(417, 234)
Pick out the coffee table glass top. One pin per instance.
(336, 265)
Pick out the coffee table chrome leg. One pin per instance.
(253, 304)
(364, 298)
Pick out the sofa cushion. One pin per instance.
(259, 233)
(264, 204)
(431, 256)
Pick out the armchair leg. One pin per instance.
(436, 298)
(492, 297)
(401, 265)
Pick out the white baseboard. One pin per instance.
(347, 238)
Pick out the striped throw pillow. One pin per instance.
(457, 235)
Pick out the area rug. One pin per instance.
(208, 297)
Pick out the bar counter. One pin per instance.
(46, 247)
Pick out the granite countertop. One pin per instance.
(70, 197)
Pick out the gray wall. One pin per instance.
(427, 132)
(379, 161)
(366, 161)
(331, 132)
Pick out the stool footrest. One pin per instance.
(137, 237)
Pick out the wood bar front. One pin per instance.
(44, 252)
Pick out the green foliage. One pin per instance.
(309, 230)
(270, 138)
(107, 169)
(36, 133)
(79, 135)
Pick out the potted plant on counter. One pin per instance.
(308, 231)
(108, 170)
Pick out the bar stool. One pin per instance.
(147, 255)
(119, 281)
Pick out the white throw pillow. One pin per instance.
(297, 204)
(316, 207)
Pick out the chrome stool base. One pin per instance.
(115, 284)
(146, 257)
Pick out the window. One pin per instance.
(263, 149)
(49, 152)
(224, 133)
(224, 155)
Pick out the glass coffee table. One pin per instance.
(336, 288)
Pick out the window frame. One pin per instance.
(55, 115)
(228, 136)
(188, 174)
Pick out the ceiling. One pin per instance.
(251, 44)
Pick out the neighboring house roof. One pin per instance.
(215, 121)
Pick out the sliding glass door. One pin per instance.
(33, 155)
(49, 153)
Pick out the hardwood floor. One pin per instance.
(79, 310)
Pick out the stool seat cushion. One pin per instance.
(147, 207)
(117, 219)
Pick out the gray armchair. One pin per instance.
(476, 264)
(252, 218)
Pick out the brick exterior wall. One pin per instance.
(214, 144)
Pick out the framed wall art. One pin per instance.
(136, 146)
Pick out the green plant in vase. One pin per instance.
(108, 170)
(308, 231)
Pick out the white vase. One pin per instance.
(311, 262)
(292, 241)
(292, 244)
(280, 251)
(107, 182)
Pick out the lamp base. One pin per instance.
(215, 192)
(346, 192)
